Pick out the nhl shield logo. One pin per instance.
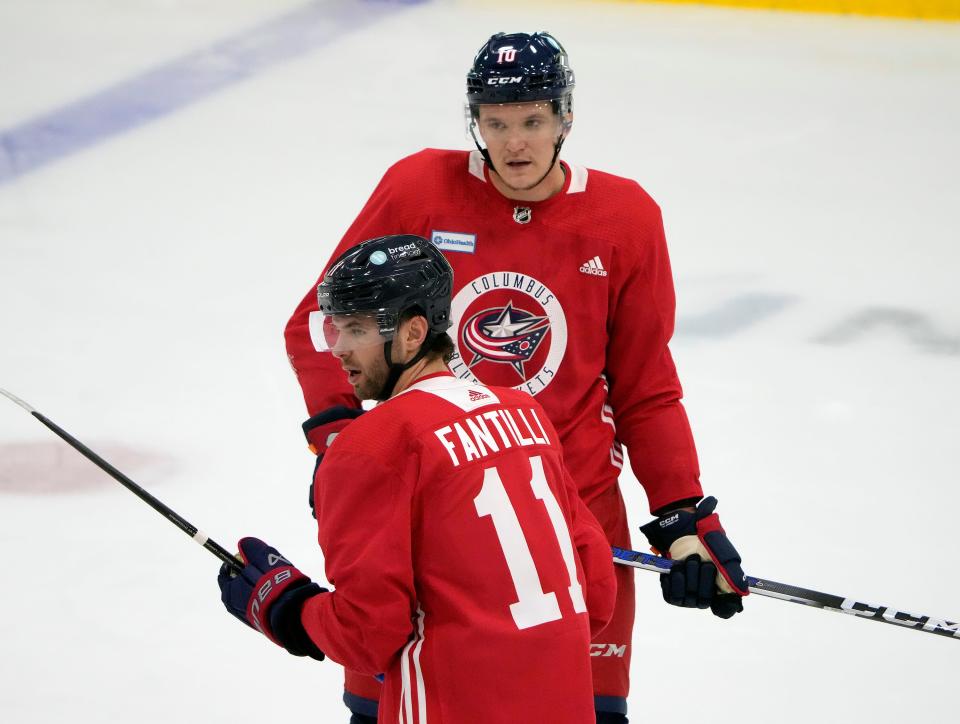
(522, 214)
(511, 332)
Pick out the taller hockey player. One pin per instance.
(563, 290)
(467, 568)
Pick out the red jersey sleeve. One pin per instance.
(592, 546)
(319, 374)
(363, 517)
(645, 391)
(593, 549)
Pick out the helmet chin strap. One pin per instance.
(556, 153)
(398, 368)
(489, 161)
(483, 152)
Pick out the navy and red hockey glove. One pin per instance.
(707, 571)
(268, 596)
(321, 429)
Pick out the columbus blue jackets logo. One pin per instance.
(511, 331)
(505, 335)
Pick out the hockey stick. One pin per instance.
(191, 530)
(806, 597)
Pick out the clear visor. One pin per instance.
(347, 332)
(492, 122)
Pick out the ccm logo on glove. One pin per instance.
(707, 572)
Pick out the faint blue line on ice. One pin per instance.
(915, 326)
(179, 83)
(733, 315)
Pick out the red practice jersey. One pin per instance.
(467, 568)
(569, 299)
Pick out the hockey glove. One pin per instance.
(268, 595)
(320, 431)
(707, 571)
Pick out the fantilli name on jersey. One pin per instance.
(475, 438)
(510, 330)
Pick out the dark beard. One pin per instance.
(373, 381)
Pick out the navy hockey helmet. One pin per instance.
(383, 278)
(521, 67)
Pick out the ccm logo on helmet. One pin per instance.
(506, 80)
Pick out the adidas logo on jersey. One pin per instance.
(476, 395)
(594, 267)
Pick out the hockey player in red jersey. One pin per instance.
(563, 290)
(468, 571)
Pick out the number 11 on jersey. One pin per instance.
(533, 606)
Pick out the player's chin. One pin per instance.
(520, 177)
(355, 380)
(366, 389)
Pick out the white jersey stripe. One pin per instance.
(468, 396)
(421, 689)
(578, 179)
(616, 455)
(476, 165)
(406, 694)
(400, 717)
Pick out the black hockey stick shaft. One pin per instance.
(807, 597)
(198, 535)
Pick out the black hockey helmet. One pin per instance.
(521, 67)
(385, 277)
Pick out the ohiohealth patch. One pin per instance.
(454, 241)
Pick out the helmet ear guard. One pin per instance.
(563, 107)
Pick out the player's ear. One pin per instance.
(413, 333)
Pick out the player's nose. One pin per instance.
(516, 142)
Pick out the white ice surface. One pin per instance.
(806, 166)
